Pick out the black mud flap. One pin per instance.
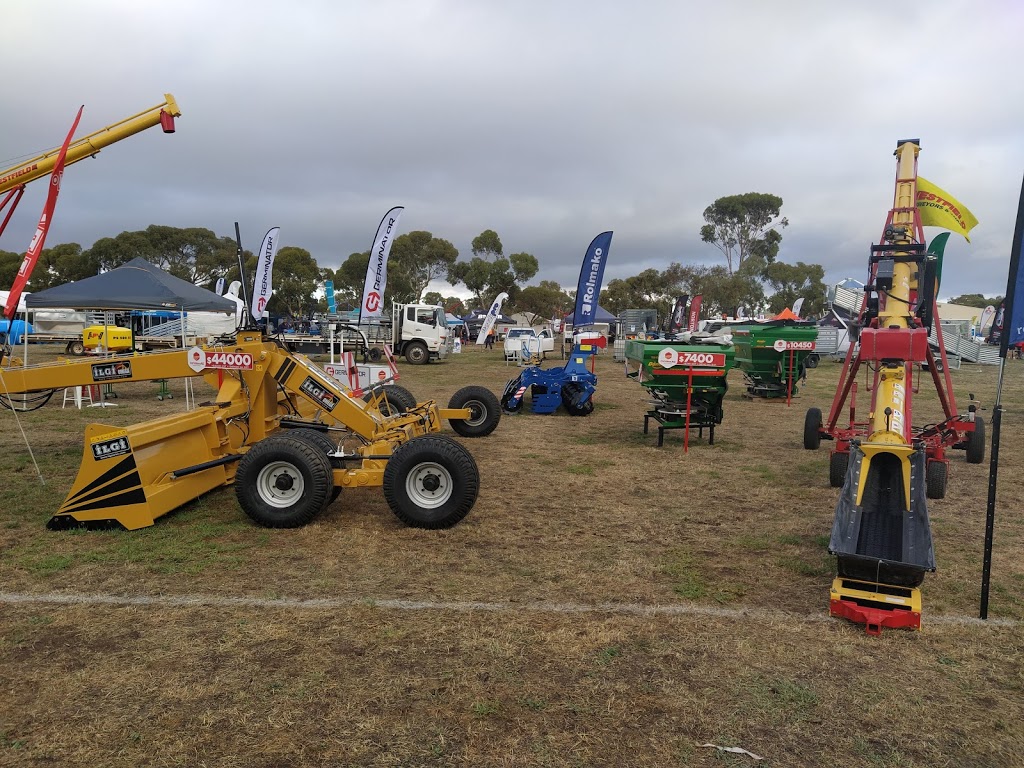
(881, 541)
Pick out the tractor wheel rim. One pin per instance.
(477, 413)
(280, 484)
(429, 485)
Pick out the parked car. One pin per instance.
(537, 343)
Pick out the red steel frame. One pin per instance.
(936, 438)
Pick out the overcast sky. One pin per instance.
(547, 122)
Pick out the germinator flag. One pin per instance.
(940, 209)
(588, 290)
(35, 247)
(492, 316)
(377, 269)
(264, 288)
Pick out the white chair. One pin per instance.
(77, 395)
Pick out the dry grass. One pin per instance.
(576, 518)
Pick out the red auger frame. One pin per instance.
(875, 343)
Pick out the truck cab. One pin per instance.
(420, 333)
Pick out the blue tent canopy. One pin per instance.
(602, 315)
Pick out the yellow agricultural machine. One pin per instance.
(888, 467)
(288, 436)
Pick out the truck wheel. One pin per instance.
(571, 394)
(322, 442)
(484, 409)
(283, 482)
(416, 353)
(812, 429)
(375, 354)
(431, 482)
(838, 463)
(76, 348)
(935, 479)
(976, 442)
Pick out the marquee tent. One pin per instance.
(135, 285)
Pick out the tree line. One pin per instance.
(745, 228)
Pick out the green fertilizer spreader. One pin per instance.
(687, 380)
(775, 355)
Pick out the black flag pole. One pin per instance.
(1012, 326)
(245, 280)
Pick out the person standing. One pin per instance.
(489, 341)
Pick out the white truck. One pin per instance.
(420, 333)
(518, 341)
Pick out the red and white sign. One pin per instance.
(781, 345)
(200, 359)
(669, 358)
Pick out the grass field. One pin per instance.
(606, 603)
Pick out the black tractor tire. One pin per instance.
(571, 392)
(431, 481)
(935, 478)
(399, 394)
(838, 463)
(76, 348)
(283, 482)
(976, 442)
(484, 408)
(387, 405)
(812, 429)
(321, 441)
(416, 353)
(506, 398)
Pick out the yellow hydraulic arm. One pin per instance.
(88, 146)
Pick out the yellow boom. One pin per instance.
(88, 146)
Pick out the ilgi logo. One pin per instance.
(106, 449)
(318, 392)
(112, 371)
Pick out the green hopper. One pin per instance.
(687, 380)
(775, 355)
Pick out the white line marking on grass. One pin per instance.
(630, 609)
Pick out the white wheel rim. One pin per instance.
(429, 485)
(272, 477)
(480, 411)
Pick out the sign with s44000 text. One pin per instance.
(200, 359)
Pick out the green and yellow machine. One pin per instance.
(774, 355)
(687, 380)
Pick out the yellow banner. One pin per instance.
(940, 209)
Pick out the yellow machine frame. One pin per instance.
(131, 476)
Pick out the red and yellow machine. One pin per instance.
(887, 467)
(288, 436)
(14, 179)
